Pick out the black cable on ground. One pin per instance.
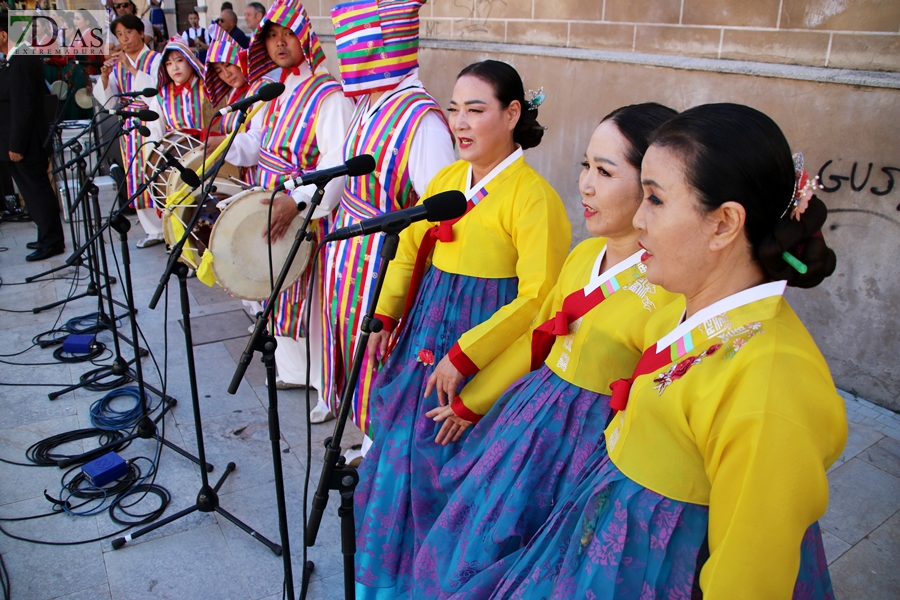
(145, 489)
(41, 453)
(104, 386)
(4, 579)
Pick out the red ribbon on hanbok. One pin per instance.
(575, 306)
(285, 71)
(443, 232)
(650, 361)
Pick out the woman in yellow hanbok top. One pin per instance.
(715, 475)
(489, 273)
(548, 427)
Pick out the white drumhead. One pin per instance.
(178, 144)
(240, 256)
(60, 89)
(83, 98)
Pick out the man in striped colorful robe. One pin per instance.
(398, 123)
(300, 131)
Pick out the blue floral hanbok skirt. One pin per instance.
(526, 454)
(613, 538)
(399, 494)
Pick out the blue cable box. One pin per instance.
(108, 467)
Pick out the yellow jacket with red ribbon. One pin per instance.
(742, 416)
(519, 229)
(592, 349)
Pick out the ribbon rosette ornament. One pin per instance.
(804, 188)
(426, 357)
(678, 370)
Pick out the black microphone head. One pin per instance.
(149, 92)
(189, 177)
(270, 91)
(147, 115)
(360, 165)
(445, 206)
(144, 131)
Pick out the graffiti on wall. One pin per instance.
(859, 179)
(862, 178)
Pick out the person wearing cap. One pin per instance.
(300, 131)
(133, 67)
(404, 129)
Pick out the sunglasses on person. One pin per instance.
(121, 4)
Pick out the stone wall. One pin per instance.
(853, 34)
(841, 129)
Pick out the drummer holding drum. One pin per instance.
(300, 131)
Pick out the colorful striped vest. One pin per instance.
(287, 145)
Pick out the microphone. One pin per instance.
(440, 207)
(354, 167)
(146, 92)
(267, 92)
(187, 175)
(143, 115)
(144, 131)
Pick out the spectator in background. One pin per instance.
(228, 22)
(253, 14)
(157, 17)
(22, 91)
(195, 36)
(227, 6)
(127, 7)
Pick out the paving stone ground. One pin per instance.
(204, 555)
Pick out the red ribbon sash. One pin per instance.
(443, 232)
(575, 306)
(650, 361)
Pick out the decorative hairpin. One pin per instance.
(536, 98)
(804, 188)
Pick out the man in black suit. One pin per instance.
(23, 129)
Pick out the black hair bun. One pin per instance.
(528, 131)
(804, 240)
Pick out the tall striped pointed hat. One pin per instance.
(377, 43)
(290, 14)
(222, 49)
(176, 44)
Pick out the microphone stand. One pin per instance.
(263, 342)
(207, 497)
(82, 194)
(175, 252)
(336, 474)
(146, 427)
